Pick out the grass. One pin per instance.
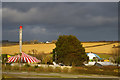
(7, 76)
(27, 75)
(53, 75)
(47, 48)
(105, 70)
(104, 56)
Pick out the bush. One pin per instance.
(47, 59)
(106, 70)
(36, 66)
(30, 69)
(14, 68)
(27, 65)
(57, 69)
(117, 60)
(23, 69)
(7, 67)
(4, 58)
(39, 69)
(50, 69)
(116, 55)
(65, 70)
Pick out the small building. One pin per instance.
(47, 42)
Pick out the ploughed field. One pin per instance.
(95, 47)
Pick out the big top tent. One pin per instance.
(24, 58)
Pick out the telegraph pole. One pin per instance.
(20, 38)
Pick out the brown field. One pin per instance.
(96, 47)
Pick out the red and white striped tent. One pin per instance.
(25, 58)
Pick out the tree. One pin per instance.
(26, 42)
(4, 58)
(115, 55)
(69, 51)
(54, 41)
(35, 41)
(31, 42)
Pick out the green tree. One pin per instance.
(69, 51)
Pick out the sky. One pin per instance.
(45, 21)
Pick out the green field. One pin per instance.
(104, 56)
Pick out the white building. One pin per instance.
(47, 42)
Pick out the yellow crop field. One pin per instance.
(108, 48)
(41, 48)
(96, 47)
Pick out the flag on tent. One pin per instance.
(14, 58)
(8, 56)
(25, 58)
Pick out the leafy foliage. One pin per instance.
(4, 58)
(116, 55)
(69, 51)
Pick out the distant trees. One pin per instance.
(54, 41)
(31, 42)
(26, 42)
(34, 42)
(69, 51)
(37, 42)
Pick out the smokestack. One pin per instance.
(20, 38)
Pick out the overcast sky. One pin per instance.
(46, 21)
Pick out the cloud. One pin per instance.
(35, 30)
(17, 16)
(64, 14)
(51, 19)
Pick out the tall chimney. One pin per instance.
(20, 38)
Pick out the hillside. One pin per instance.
(96, 47)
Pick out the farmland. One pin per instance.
(95, 47)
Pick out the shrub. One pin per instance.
(49, 69)
(27, 65)
(65, 70)
(7, 67)
(105, 70)
(14, 68)
(23, 69)
(30, 69)
(36, 66)
(116, 55)
(39, 69)
(57, 69)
